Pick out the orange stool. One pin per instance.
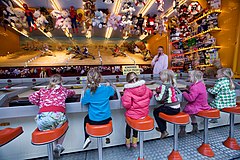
(205, 148)
(99, 131)
(9, 134)
(231, 142)
(178, 119)
(48, 137)
(141, 125)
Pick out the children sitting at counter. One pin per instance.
(167, 96)
(136, 100)
(52, 108)
(97, 96)
(223, 90)
(196, 97)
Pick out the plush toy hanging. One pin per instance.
(73, 16)
(176, 5)
(29, 15)
(160, 4)
(108, 1)
(50, 25)
(140, 3)
(194, 8)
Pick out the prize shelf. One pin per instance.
(206, 14)
(200, 34)
(203, 49)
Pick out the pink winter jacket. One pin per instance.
(136, 99)
(197, 98)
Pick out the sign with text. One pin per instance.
(133, 68)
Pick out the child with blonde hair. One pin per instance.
(167, 96)
(223, 90)
(52, 108)
(135, 100)
(97, 97)
(196, 98)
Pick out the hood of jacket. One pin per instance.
(138, 88)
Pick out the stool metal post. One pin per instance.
(141, 138)
(231, 131)
(99, 143)
(175, 142)
(205, 135)
(50, 150)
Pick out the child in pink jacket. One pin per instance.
(136, 99)
(197, 99)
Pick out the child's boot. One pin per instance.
(164, 134)
(182, 131)
(194, 128)
(134, 142)
(128, 142)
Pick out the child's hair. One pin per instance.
(93, 79)
(54, 80)
(227, 72)
(168, 76)
(196, 76)
(131, 77)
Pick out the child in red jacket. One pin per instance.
(52, 108)
(136, 99)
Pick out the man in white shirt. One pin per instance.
(160, 61)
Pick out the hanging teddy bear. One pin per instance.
(113, 21)
(73, 16)
(89, 7)
(29, 15)
(59, 19)
(80, 16)
(50, 25)
(67, 24)
(160, 4)
(140, 3)
(100, 19)
(39, 19)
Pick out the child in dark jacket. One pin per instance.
(52, 108)
(136, 99)
(167, 96)
(97, 96)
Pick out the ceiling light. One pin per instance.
(144, 9)
(55, 5)
(19, 3)
(116, 10)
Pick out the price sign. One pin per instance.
(133, 68)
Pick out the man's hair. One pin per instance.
(161, 47)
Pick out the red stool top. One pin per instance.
(235, 110)
(146, 124)
(8, 134)
(44, 137)
(99, 130)
(238, 104)
(180, 118)
(212, 113)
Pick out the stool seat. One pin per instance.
(146, 124)
(180, 118)
(44, 137)
(234, 110)
(212, 113)
(99, 130)
(8, 134)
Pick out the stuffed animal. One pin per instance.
(176, 6)
(59, 19)
(39, 18)
(50, 25)
(140, 3)
(22, 19)
(89, 7)
(108, 1)
(113, 21)
(80, 16)
(100, 19)
(29, 15)
(127, 7)
(194, 8)
(160, 4)
(67, 24)
(73, 16)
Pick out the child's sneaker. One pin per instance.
(58, 150)
(86, 143)
(213, 121)
(134, 142)
(164, 134)
(128, 143)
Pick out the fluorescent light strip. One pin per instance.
(22, 32)
(55, 5)
(19, 3)
(48, 34)
(148, 5)
(116, 10)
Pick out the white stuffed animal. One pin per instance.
(113, 21)
(9, 15)
(59, 19)
(67, 23)
(100, 19)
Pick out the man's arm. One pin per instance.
(165, 63)
(154, 60)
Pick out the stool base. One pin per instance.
(140, 158)
(206, 150)
(231, 143)
(174, 155)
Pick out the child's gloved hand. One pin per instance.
(158, 90)
(107, 84)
